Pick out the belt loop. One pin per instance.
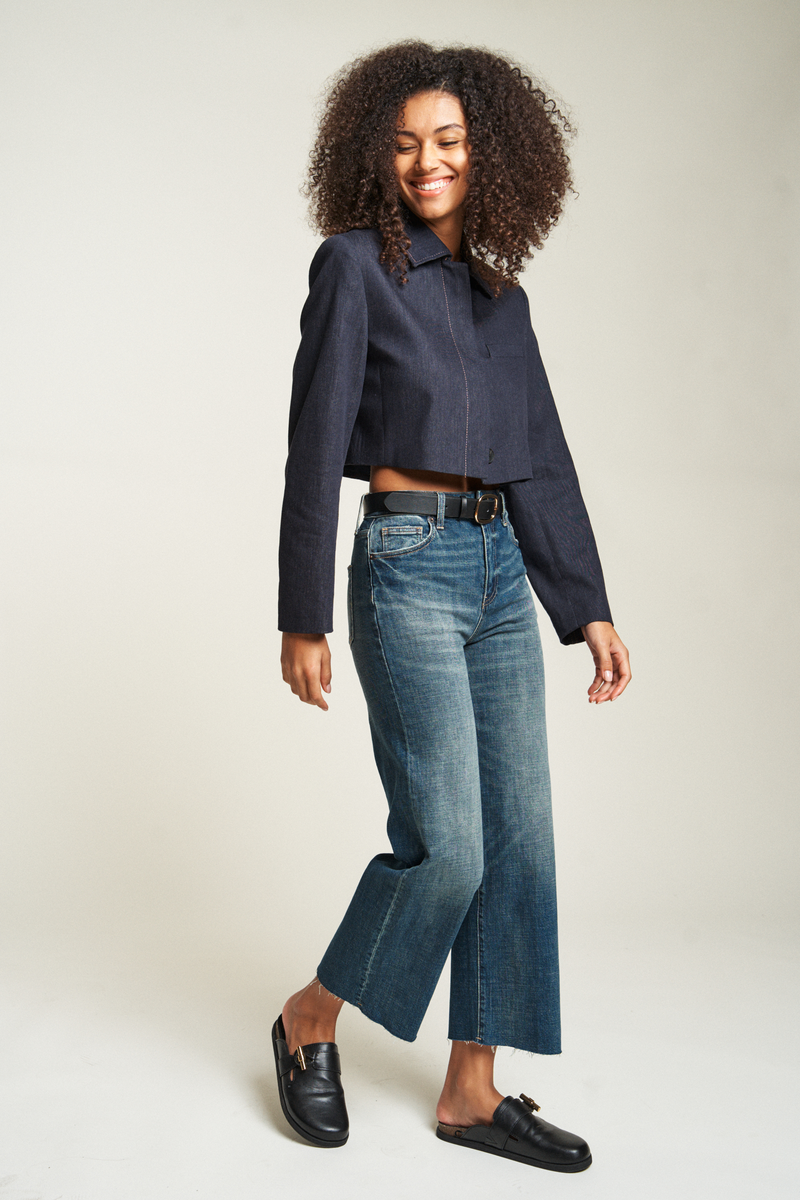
(358, 515)
(440, 500)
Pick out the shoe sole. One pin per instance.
(296, 1126)
(521, 1158)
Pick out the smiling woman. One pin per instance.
(436, 173)
(432, 163)
(519, 166)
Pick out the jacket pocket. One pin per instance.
(505, 349)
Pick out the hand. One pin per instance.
(612, 670)
(306, 666)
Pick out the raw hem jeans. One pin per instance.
(444, 636)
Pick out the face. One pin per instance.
(432, 156)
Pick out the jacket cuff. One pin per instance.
(574, 636)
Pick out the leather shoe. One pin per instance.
(310, 1088)
(516, 1132)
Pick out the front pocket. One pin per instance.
(401, 537)
(392, 536)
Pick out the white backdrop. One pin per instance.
(166, 800)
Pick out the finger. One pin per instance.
(302, 683)
(604, 668)
(325, 675)
(315, 698)
(312, 691)
(621, 683)
(599, 687)
(603, 681)
(603, 686)
(622, 675)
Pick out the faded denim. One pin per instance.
(446, 644)
(436, 374)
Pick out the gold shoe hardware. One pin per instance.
(300, 1058)
(530, 1103)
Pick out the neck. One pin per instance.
(449, 230)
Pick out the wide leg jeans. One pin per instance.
(444, 636)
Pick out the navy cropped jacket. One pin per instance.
(436, 374)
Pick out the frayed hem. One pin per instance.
(321, 988)
(364, 1010)
(534, 1053)
(469, 1042)
(501, 1046)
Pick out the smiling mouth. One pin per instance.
(433, 187)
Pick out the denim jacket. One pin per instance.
(436, 374)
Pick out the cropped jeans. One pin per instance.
(444, 636)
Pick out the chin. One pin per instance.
(430, 212)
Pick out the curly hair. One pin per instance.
(519, 168)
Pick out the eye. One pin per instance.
(405, 149)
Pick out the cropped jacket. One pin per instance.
(435, 374)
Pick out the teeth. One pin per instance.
(436, 186)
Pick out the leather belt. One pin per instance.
(425, 504)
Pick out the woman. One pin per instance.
(435, 175)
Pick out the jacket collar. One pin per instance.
(426, 247)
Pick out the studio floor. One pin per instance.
(131, 1072)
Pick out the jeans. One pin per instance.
(444, 636)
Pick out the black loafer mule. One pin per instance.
(516, 1132)
(310, 1088)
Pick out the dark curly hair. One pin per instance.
(519, 167)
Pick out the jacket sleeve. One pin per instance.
(550, 518)
(326, 392)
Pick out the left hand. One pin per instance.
(612, 669)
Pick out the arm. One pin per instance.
(557, 541)
(550, 518)
(326, 393)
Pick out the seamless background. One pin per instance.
(180, 835)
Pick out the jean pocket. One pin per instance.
(400, 533)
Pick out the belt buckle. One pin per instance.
(483, 519)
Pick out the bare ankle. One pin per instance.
(310, 1015)
(469, 1096)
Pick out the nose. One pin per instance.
(428, 159)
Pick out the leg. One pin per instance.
(413, 607)
(310, 1015)
(504, 979)
(469, 1096)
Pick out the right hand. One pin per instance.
(306, 666)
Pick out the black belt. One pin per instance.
(425, 504)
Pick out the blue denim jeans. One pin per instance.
(446, 644)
